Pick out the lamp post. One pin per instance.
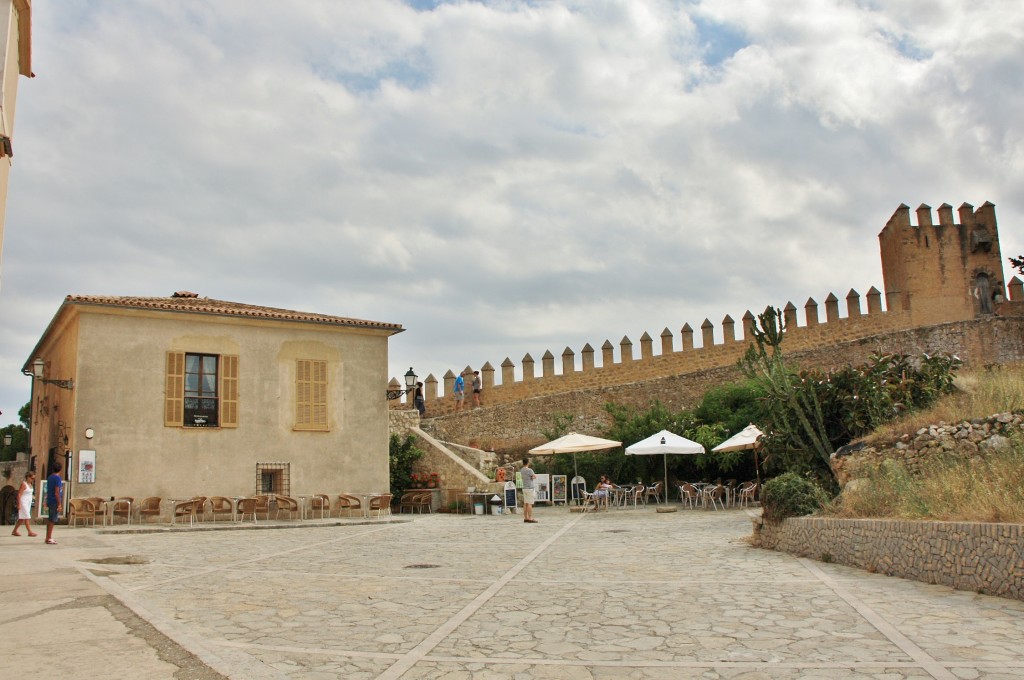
(39, 373)
(410, 385)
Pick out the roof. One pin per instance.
(192, 303)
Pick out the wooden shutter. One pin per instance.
(228, 390)
(310, 395)
(174, 390)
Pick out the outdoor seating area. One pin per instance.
(692, 495)
(191, 511)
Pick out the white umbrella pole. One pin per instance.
(665, 456)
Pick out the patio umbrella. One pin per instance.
(748, 438)
(573, 443)
(664, 442)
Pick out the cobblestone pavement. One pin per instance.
(620, 594)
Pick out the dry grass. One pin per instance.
(979, 394)
(981, 489)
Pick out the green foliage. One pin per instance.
(791, 495)
(401, 456)
(811, 413)
(25, 414)
(733, 405)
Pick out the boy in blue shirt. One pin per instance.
(54, 495)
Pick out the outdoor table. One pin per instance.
(484, 496)
(302, 506)
(108, 510)
(234, 507)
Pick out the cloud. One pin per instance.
(500, 177)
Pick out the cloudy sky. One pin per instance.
(501, 177)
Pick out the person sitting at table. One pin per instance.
(601, 492)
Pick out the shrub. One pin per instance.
(790, 495)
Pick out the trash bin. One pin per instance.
(496, 506)
(478, 508)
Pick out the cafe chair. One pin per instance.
(81, 509)
(653, 492)
(381, 503)
(150, 507)
(287, 504)
(689, 495)
(347, 503)
(321, 503)
(246, 506)
(122, 507)
(221, 505)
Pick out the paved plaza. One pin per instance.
(620, 594)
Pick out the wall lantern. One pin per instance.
(39, 373)
(8, 439)
(410, 385)
(89, 433)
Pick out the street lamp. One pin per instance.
(410, 385)
(39, 373)
(7, 440)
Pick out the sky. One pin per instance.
(501, 177)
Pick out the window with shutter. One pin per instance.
(229, 391)
(310, 394)
(174, 389)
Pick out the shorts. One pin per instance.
(54, 511)
(459, 396)
(529, 496)
(477, 391)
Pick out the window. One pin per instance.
(311, 395)
(201, 390)
(273, 478)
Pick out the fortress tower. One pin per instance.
(942, 272)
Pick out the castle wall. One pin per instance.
(511, 428)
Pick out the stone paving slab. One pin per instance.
(622, 594)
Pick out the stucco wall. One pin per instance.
(119, 392)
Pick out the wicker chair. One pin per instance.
(221, 505)
(246, 506)
(348, 504)
(321, 503)
(287, 504)
(81, 509)
(149, 507)
(184, 509)
(380, 503)
(122, 507)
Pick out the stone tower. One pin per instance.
(946, 271)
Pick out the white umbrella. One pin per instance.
(573, 443)
(748, 438)
(664, 442)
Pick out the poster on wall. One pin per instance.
(86, 467)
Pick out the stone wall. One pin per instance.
(985, 558)
(514, 427)
(966, 439)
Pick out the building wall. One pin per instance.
(119, 393)
(15, 36)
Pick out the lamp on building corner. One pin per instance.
(39, 373)
(410, 385)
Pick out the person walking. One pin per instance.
(459, 391)
(478, 388)
(25, 494)
(54, 495)
(529, 495)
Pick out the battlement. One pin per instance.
(715, 346)
(982, 218)
(935, 273)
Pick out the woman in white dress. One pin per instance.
(25, 494)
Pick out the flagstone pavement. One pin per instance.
(620, 594)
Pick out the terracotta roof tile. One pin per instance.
(201, 305)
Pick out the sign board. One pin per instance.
(558, 488)
(542, 487)
(510, 496)
(86, 467)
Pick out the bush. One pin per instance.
(790, 495)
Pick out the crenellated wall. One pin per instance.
(944, 292)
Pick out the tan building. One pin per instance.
(184, 396)
(16, 41)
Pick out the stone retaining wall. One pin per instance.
(967, 439)
(985, 558)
